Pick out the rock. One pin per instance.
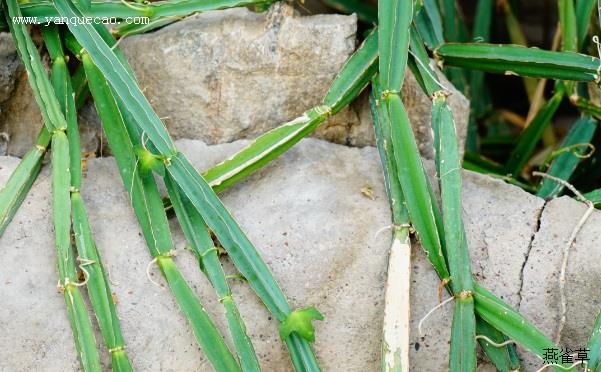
(20, 116)
(307, 216)
(583, 274)
(9, 66)
(500, 221)
(226, 75)
(234, 74)
(317, 227)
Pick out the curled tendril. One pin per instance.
(575, 149)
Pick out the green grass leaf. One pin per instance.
(568, 25)
(197, 234)
(38, 79)
(504, 318)
(122, 10)
(148, 206)
(520, 60)
(81, 325)
(429, 24)
(394, 18)
(20, 181)
(463, 342)
(354, 75)
(502, 357)
(531, 135)
(347, 85)
(594, 346)
(119, 78)
(574, 146)
(584, 10)
(194, 187)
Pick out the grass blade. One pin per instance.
(126, 30)
(520, 60)
(205, 331)
(265, 148)
(119, 77)
(393, 47)
(420, 64)
(81, 325)
(584, 9)
(415, 184)
(18, 185)
(482, 25)
(354, 75)
(395, 343)
(240, 250)
(594, 346)
(96, 280)
(594, 196)
(40, 84)
(571, 152)
(431, 87)
(482, 20)
(98, 287)
(148, 207)
(394, 18)
(429, 23)
(463, 332)
(197, 234)
(567, 23)
(501, 357)
(158, 21)
(517, 36)
(349, 82)
(450, 19)
(504, 318)
(80, 87)
(122, 10)
(56, 124)
(531, 135)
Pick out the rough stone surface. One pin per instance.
(500, 221)
(20, 116)
(543, 267)
(222, 76)
(9, 66)
(9, 69)
(316, 230)
(225, 75)
(228, 75)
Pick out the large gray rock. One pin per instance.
(9, 66)
(227, 75)
(583, 273)
(9, 69)
(314, 227)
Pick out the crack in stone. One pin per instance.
(534, 233)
